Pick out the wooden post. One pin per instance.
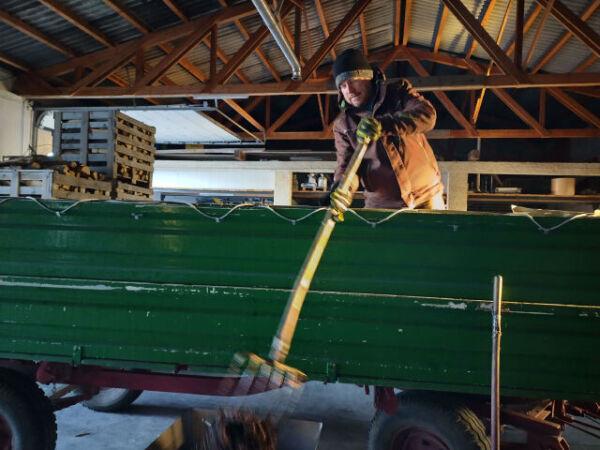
(519, 33)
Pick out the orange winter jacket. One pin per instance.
(399, 170)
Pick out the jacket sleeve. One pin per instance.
(412, 113)
(343, 151)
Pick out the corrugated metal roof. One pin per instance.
(180, 126)
(379, 15)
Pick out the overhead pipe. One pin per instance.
(269, 19)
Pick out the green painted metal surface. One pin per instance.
(405, 304)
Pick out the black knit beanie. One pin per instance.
(351, 65)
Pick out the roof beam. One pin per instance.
(333, 38)
(577, 108)
(484, 21)
(363, 34)
(396, 23)
(283, 118)
(538, 32)
(323, 85)
(479, 102)
(519, 133)
(77, 21)
(484, 39)
(441, 96)
(575, 25)
(550, 54)
(512, 104)
(175, 9)
(407, 21)
(14, 62)
(34, 33)
(440, 29)
(249, 46)
(174, 56)
(154, 38)
(324, 26)
(246, 35)
(586, 64)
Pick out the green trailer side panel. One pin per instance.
(406, 303)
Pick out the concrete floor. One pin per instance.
(344, 409)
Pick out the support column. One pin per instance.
(457, 189)
(282, 191)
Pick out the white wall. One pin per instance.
(16, 119)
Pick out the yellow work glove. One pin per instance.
(369, 129)
(340, 201)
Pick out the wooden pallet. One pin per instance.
(134, 151)
(125, 191)
(25, 182)
(74, 188)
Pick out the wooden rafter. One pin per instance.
(441, 96)
(484, 39)
(322, 85)
(576, 108)
(363, 34)
(246, 35)
(397, 19)
(515, 133)
(484, 21)
(152, 39)
(440, 29)
(562, 41)
(575, 25)
(175, 9)
(323, 22)
(77, 21)
(538, 32)
(586, 64)
(249, 46)
(512, 104)
(479, 102)
(283, 118)
(104, 70)
(519, 34)
(14, 63)
(174, 56)
(333, 38)
(34, 33)
(407, 21)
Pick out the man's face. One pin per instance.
(356, 92)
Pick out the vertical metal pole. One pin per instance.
(496, 344)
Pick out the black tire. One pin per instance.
(41, 405)
(112, 399)
(19, 427)
(424, 420)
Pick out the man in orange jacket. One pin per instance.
(399, 169)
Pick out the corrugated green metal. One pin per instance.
(406, 303)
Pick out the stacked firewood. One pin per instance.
(77, 181)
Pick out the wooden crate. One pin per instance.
(134, 151)
(24, 183)
(108, 142)
(75, 188)
(125, 191)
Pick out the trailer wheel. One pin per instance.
(424, 423)
(36, 399)
(19, 426)
(112, 399)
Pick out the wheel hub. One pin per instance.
(417, 439)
